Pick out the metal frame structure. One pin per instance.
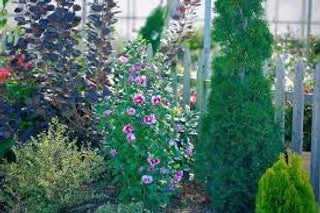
(130, 16)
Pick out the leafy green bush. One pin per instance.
(154, 26)
(146, 135)
(239, 139)
(131, 208)
(49, 173)
(285, 188)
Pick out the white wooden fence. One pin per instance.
(201, 84)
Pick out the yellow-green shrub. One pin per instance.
(49, 173)
(285, 188)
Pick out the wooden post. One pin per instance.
(303, 18)
(149, 52)
(309, 19)
(280, 96)
(315, 141)
(186, 78)
(276, 18)
(200, 85)
(174, 80)
(265, 68)
(298, 109)
(207, 39)
(207, 44)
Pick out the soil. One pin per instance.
(191, 199)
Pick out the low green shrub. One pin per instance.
(131, 208)
(285, 188)
(49, 173)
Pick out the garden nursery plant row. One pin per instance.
(85, 128)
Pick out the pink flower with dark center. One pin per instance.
(146, 179)
(178, 176)
(156, 100)
(179, 173)
(153, 161)
(107, 113)
(131, 111)
(138, 98)
(126, 129)
(151, 119)
(113, 152)
(141, 80)
(123, 59)
(131, 79)
(28, 65)
(189, 151)
(131, 137)
(134, 69)
(144, 65)
(165, 102)
(150, 169)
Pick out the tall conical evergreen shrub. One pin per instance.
(239, 139)
(154, 26)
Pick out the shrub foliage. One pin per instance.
(47, 56)
(152, 31)
(145, 132)
(239, 139)
(49, 173)
(285, 187)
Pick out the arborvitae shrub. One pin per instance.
(152, 31)
(285, 187)
(239, 139)
(50, 173)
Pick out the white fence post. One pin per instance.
(200, 85)
(186, 78)
(174, 80)
(315, 141)
(149, 52)
(298, 109)
(207, 45)
(280, 96)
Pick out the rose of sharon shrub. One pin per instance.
(143, 130)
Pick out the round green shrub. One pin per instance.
(50, 173)
(285, 188)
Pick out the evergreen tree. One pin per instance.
(239, 139)
(285, 187)
(154, 26)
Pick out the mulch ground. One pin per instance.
(191, 199)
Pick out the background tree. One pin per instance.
(239, 138)
(154, 26)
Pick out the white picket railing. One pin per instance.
(201, 85)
